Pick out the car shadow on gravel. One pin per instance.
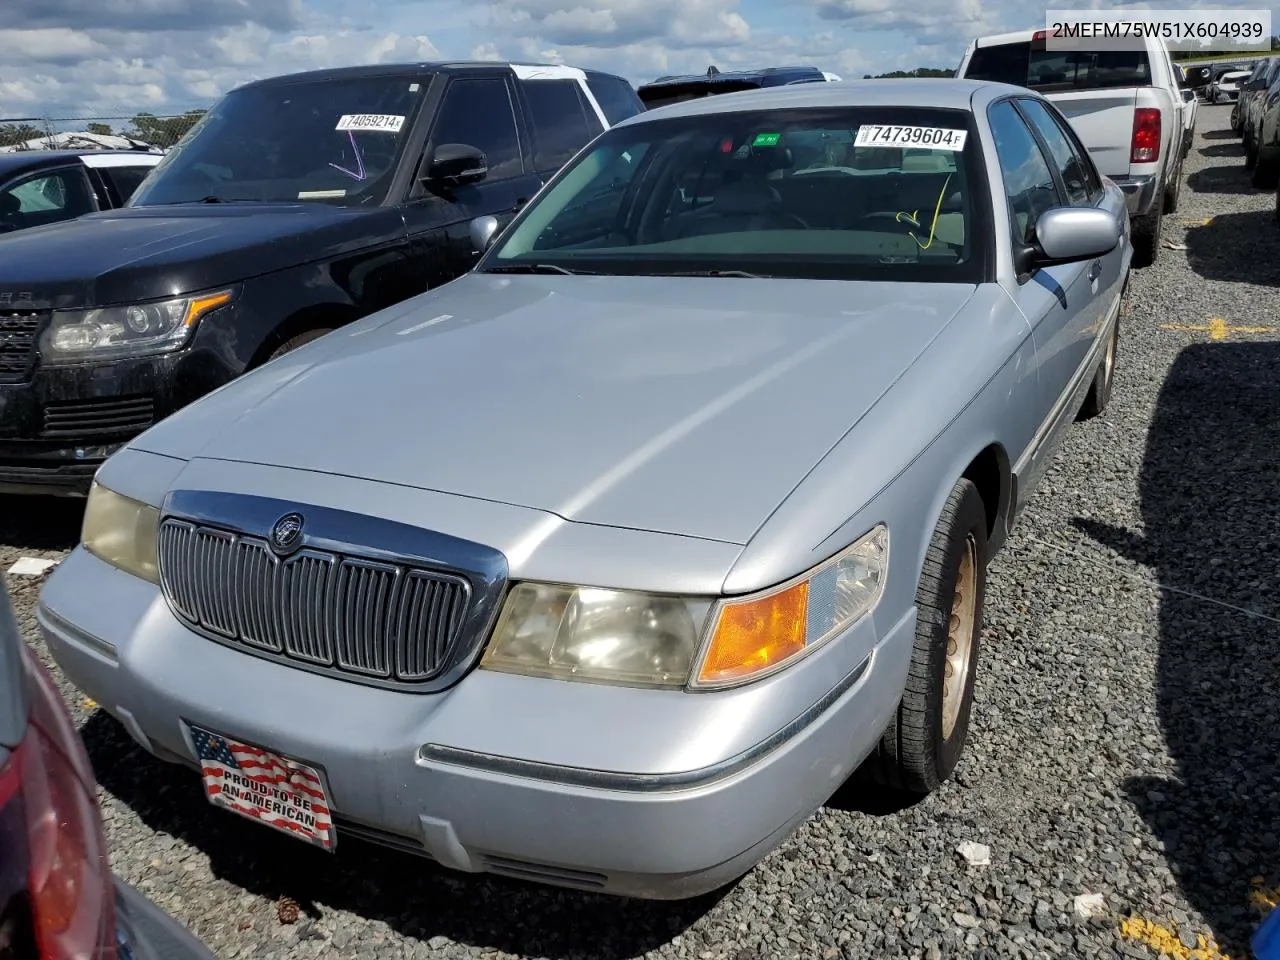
(1227, 180)
(1209, 488)
(1227, 134)
(1223, 150)
(410, 894)
(40, 523)
(1237, 248)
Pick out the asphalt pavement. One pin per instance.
(1123, 768)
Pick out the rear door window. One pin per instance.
(1031, 65)
(616, 97)
(563, 122)
(1083, 186)
(124, 180)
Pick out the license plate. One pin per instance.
(265, 787)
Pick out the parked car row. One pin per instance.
(1256, 118)
(476, 575)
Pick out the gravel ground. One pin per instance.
(1125, 739)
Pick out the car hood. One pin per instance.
(144, 253)
(684, 406)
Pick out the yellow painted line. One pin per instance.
(1218, 328)
(89, 704)
(1167, 943)
(1198, 223)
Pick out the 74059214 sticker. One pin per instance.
(383, 122)
(888, 135)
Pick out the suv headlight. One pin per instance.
(136, 330)
(123, 532)
(653, 640)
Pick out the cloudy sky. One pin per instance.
(84, 58)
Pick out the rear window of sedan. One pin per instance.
(839, 193)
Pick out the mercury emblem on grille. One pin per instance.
(286, 535)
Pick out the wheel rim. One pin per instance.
(960, 630)
(1109, 363)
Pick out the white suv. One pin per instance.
(1125, 106)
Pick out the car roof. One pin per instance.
(20, 161)
(780, 74)
(528, 70)
(944, 93)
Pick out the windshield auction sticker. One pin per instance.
(380, 122)
(934, 138)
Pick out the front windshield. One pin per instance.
(837, 193)
(334, 141)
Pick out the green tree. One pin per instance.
(917, 72)
(101, 129)
(14, 133)
(162, 131)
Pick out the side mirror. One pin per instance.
(1188, 95)
(456, 164)
(483, 230)
(1072, 234)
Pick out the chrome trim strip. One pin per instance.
(643, 782)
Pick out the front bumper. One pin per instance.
(1139, 193)
(145, 932)
(1224, 96)
(645, 793)
(58, 426)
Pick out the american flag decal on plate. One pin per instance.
(264, 786)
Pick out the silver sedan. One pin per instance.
(606, 564)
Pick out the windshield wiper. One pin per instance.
(712, 273)
(534, 268)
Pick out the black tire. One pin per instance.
(1266, 174)
(1146, 234)
(293, 343)
(916, 752)
(1104, 377)
(1250, 153)
(1278, 204)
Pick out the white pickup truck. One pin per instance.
(1126, 107)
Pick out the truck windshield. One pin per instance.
(334, 141)
(866, 193)
(1032, 65)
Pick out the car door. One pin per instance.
(478, 111)
(46, 196)
(1082, 186)
(1057, 301)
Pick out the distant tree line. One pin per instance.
(917, 72)
(1242, 54)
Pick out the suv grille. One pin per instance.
(18, 329)
(353, 618)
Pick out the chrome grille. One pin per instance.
(344, 614)
(18, 329)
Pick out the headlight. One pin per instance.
(641, 639)
(130, 331)
(752, 637)
(609, 636)
(123, 532)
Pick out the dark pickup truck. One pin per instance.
(296, 205)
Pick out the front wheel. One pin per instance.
(923, 742)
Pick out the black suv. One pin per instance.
(667, 90)
(296, 205)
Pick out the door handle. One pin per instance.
(1095, 269)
